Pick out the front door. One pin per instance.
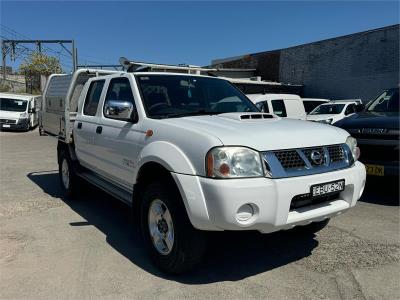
(119, 141)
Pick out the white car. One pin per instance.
(282, 105)
(192, 154)
(331, 112)
(19, 112)
(311, 103)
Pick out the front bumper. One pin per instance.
(383, 153)
(20, 124)
(213, 204)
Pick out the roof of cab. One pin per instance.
(263, 97)
(18, 96)
(315, 99)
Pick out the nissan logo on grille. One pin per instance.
(317, 157)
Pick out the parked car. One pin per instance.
(19, 111)
(282, 105)
(333, 111)
(311, 103)
(377, 132)
(192, 154)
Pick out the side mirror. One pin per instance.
(359, 108)
(120, 110)
(32, 110)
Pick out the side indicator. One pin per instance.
(149, 132)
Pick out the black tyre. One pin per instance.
(313, 227)
(175, 246)
(66, 172)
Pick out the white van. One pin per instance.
(282, 105)
(19, 111)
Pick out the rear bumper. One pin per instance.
(213, 204)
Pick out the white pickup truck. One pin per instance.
(192, 154)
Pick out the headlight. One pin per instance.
(23, 115)
(233, 162)
(328, 121)
(352, 143)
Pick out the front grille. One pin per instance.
(307, 161)
(371, 153)
(387, 136)
(336, 153)
(306, 200)
(7, 121)
(289, 159)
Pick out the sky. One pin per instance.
(185, 32)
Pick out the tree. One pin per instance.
(39, 63)
(36, 66)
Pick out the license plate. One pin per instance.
(327, 188)
(375, 170)
(6, 126)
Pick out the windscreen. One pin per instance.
(167, 96)
(388, 101)
(328, 109)
(9, 104)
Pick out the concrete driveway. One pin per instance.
(52, 248)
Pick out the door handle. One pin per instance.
(99, 129)
(80, 125)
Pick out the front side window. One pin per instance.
(388, 101)
(93, 97)
(120, 90)
(310, 105)
(263, 106)
(9, 104)
(349, 109)
(328, 109)
(278, 106)
(167, 96)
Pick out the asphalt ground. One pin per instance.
(89, 248)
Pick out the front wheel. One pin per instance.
(175, 245)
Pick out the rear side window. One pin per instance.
(279, 108)
(93, 98)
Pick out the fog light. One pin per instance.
(362, 189)
(245, 213)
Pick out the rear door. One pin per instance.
(86, 124)
(119, 142)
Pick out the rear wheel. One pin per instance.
(68, 177)
(175, 245)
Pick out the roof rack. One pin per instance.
(136, 66)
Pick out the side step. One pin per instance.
(110, 188)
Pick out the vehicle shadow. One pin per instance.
(381, 190)
(231, 256)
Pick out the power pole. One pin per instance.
(10, 44)
(4, 54)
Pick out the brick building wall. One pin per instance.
(355, 66)
(358, 65)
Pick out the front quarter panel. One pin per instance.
(168, 155)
